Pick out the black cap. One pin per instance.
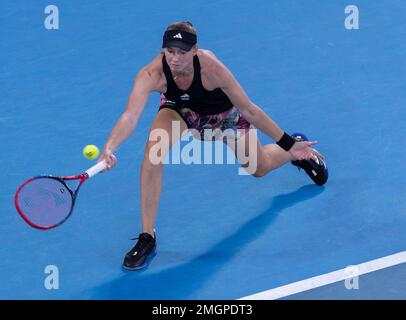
(179, 39)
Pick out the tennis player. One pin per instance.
(199, 92)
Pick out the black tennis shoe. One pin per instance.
(142, 253)
(316, 168)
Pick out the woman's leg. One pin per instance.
(258, 160)
(151, 172)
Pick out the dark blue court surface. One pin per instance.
(220, 235)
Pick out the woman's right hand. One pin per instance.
(110, 159)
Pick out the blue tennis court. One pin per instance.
(220, 235)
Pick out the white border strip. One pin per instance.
(329, 278)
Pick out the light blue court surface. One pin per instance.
(383, 284)
(220, 235)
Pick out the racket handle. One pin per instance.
(96, 168)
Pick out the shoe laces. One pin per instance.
(142, 242)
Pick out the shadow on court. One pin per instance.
(183, 280)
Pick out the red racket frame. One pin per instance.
(82, 177)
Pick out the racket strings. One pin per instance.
(45, 201)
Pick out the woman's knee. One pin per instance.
(260, 172)
(264, 166)
(257, 171)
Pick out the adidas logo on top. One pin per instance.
(178, 36)
(185, 97)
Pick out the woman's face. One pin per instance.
(179, 60)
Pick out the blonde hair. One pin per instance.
(182, 26)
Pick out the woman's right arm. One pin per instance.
(145, 82)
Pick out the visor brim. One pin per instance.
(179, 44)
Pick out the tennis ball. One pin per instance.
(91, 152)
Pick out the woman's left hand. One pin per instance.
(302, 151)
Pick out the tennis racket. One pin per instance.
(45, 202)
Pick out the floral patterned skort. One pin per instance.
(230, 120)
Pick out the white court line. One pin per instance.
(329, 278)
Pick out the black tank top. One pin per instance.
(196, 98)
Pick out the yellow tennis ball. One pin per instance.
(91, 152)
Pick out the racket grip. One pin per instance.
(96, 168)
